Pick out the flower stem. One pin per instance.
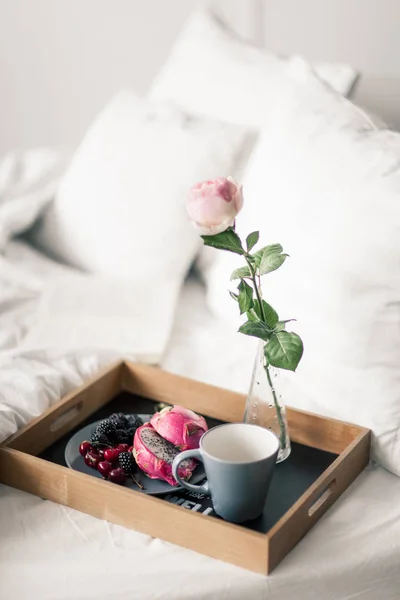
(282, 436)
(256, 289)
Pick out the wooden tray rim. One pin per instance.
(119, 369)
(126, 375)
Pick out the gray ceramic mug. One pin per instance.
(239, 460)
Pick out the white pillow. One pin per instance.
(120, 208)
(212, 72)
(325, 183)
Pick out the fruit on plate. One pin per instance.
(85, 447)
(101, 434)
(111, 454)
(154, 448)
(111, 438)
(123, 447)
(116, 429)
(127, 462)
(125, 427)
(117, 476)
(104, 467)
(179, 426)
(155, 455)
(122, 421)
(92, 459)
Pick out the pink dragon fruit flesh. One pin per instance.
(180, 426)
(155, 456)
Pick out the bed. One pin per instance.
(353, 552)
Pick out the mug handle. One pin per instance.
(203, 489)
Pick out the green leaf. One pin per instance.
(272, 248)
(251, 316)
(272, 263)
(234, 296)
(256, 329)
(284, 350)
(252, 240)
(270, 314)
(271, 260)
(241, 272)
(245, 296)
(280, 326)
(226, 240)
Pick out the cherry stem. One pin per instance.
(137, 482)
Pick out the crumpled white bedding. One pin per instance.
(52, 552)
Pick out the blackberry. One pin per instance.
(130, 432)
(105, 427)
(134, 421)
(102, 434)
(122, 421)
(122, 436)
(118, 420)
(117, 429)
(99, 439)
(127, 462)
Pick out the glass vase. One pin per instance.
(264, 405)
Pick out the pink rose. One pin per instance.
(213, 205)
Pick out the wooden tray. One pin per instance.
(327, 456)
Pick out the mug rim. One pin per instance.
(234, 462)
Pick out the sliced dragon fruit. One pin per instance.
(180, 426)
(155, 455)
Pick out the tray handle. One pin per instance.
(66, 416)
(322, 497)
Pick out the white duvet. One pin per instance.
(51, 552)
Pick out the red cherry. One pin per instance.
(85, 447)
(100, 452)
(117, 476)
(123, 447)
(111, 454)
(104, 468)
(92, 459)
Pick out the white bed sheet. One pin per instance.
(51, 552)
